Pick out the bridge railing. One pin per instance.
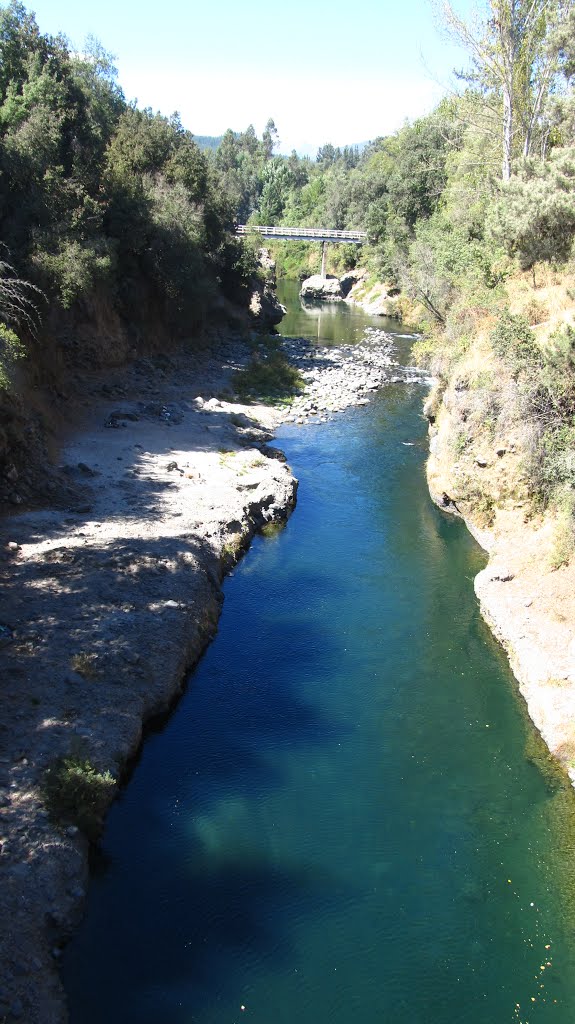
(302, 234)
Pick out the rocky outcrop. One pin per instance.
(266, 311)
(377, 299)
(351, 278)
(323, 289)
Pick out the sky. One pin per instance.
(324, 70)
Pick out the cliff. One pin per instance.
(500, 458)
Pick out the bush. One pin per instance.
(78, 794)
(535, 215)
(514, 342)
(11, 349)
(269, 377)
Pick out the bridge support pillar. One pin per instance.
(324, 259)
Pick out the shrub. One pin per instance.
(11, 349)
(78, 794)
(535, 215)
(270, 377)
(514, 342)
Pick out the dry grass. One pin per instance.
(547, 306)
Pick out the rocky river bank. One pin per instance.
(108, 598)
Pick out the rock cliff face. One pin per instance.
(527, 602)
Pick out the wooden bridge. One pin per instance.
(324, 235)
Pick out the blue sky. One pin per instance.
(325, 70)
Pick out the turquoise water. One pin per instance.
(348, 817)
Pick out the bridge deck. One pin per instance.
(304, 234)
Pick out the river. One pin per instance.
(349, 816)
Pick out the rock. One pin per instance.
(326, 289)
(267, 262)
(347, 281)
(500, 452)
(503, 576)
(481, 462)
(265, 308)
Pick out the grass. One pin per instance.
(563, 544)
(78, 794)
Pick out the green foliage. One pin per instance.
(73, 270)
(535, 214)
(11, 349)
(100, 197)
(78, 794)
(513, 341)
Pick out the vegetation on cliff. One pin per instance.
(112, 220)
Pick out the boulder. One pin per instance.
(326, 289)
(265, 309)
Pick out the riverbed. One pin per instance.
(349, 814)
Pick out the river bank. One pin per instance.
(106, 603)
(109, 598)
(527, 601)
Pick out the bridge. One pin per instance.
(324, 235)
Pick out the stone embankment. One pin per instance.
(106, 602)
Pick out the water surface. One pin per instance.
(348, 817)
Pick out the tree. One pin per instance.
(513, 66)
(534, 216)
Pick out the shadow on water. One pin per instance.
(210, 894)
